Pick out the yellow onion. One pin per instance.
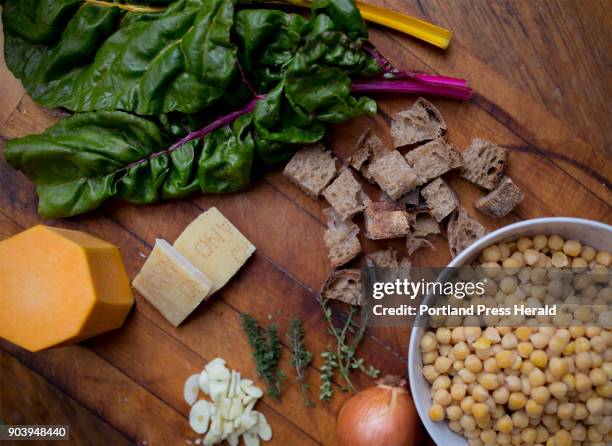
(383, 415)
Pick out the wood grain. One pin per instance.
(541, 77)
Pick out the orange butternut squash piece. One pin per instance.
(59, 286)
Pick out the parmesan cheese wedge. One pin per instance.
(214, 246)
(170, 283)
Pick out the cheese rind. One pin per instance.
(59, 286)
(214, 246)
(170, 283)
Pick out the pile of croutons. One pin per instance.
(415, 199)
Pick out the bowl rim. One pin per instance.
(459, 260)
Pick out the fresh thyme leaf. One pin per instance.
(267, 351)
(301, 357)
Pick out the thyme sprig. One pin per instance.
(327, 375)
(267, 350)
(345, 358)
(301, 357)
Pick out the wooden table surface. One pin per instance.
(541, 72)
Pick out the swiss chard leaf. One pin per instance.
(179, 60)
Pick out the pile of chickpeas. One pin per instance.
(544, 380)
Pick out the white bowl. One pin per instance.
(592, 233)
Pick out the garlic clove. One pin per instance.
(246, 383)
(199, 416)
(190, 390)
(203, 382)
(247, 399)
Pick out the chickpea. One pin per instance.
(540, 395)
(555, 243)
(516, 401)
(436, 412)
(458, 391)
(428, 342)
(441, 382)
(603, 258)
(520, 419)
(595, 405)
(468, 423)
(453, 413)
(492, 254)
(572, 248)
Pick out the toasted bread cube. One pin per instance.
(393, 174)
(384, 220)
(345, 286)
(369, 149)
(311, 169)
(421, 122)
(499, 202)
(440, 199)
(484, 163)
(433, 159)
(341, 239)
(463, 230)
(345, 195)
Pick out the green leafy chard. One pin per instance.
(84, 160)
(85, 57)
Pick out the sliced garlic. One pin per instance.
(232, 384)
(211, 438)
(246, 383)
(263, 428)
(190, 390)
(217, 389)
(203, 382)
(247, 399)
(217, 372)
(233, 439)
(254, 391)
(247, 420)
(199, 416)
(236, 409)
(251, 438)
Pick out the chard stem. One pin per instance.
(438, 86)
(126, 7)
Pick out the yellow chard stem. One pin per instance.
(412, 26)
(131, 8)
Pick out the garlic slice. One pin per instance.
(217, 389)
(217, 372)
(203, 382)
(233, 439)
(190, 390)
(251, 438)
(199, 416)
(254, 391)
(263, 428)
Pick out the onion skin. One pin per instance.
(383, 415)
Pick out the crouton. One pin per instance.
(421, 122)
(385, 220)
(369, 149)
(414, 243)
(499, 202)
(340, 238)
(424, 225)
(484, 163)
(345, 195)
(344, 285)
(311, 169)
(440, 199)
(393, 174)
(433, 159)
(386, 258)
(463, 230)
